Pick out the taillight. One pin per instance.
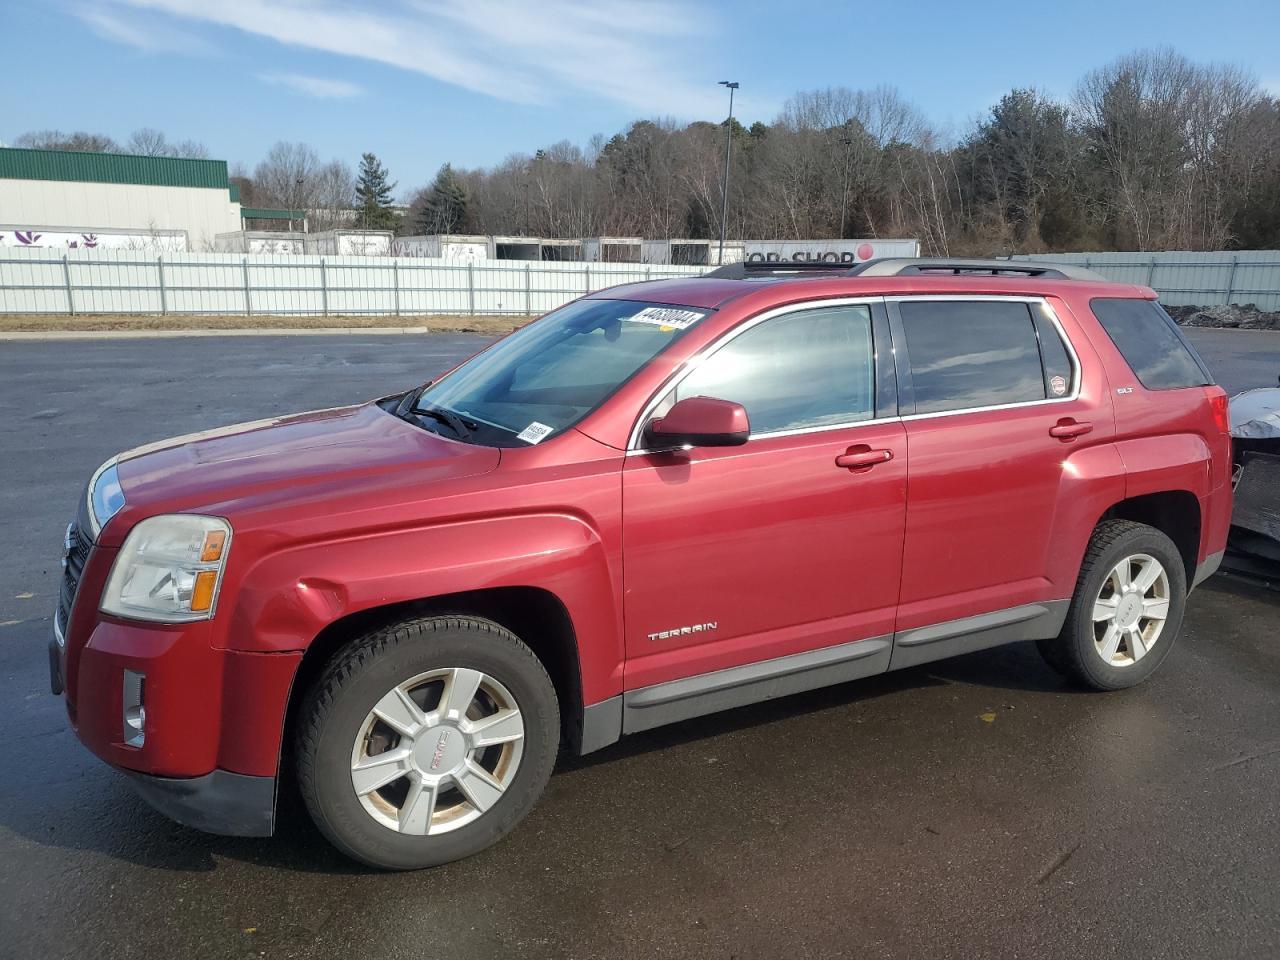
(1218, 404)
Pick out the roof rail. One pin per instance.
(764, 268)
(907, 267)
(927, 266)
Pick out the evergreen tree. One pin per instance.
(373, 194)
(445, 209)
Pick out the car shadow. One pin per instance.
(1010, 667)
(96, 809)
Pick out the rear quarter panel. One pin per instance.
(1166, 439)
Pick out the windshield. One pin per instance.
(546, 377)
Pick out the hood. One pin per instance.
(344, 450)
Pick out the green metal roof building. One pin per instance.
(63, 198)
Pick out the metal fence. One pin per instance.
(1202, 279)
(125, 281)
(129, 282)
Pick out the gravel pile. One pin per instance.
(1245, 316)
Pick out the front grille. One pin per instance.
(76, 547)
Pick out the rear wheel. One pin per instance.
(427, 742)
(1126, 611)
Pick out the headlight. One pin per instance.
(106, 497)
(169, 569)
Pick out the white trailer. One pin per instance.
(349, 243)
(612, 250)
(555, 249)
(515, 248)
(828, 251)
(258, 241)
(75, 238)
(735, 251)
(684, 253)
(456, 247)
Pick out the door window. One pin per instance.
(804, 370)
(976, 353)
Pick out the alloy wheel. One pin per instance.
(1130, 611)
(437, 751)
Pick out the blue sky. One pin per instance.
(420, 82)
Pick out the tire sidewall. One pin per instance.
(1107, 676)
(334, 804)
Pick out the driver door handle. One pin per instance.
(862, 457)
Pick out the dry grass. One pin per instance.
(94, 323)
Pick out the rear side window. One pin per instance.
(1150, 343)
(977, 353)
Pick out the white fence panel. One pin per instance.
(105, 281)
(1194, 278)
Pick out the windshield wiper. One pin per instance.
(450, 419)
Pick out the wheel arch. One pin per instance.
(1175, 513)
(534, 614)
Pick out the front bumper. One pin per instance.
(230, 804)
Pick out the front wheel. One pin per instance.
(1126, 611)
(427, 742)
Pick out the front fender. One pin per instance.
(286, 597)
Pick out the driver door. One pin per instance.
(737, 556)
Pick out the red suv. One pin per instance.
(658, 501)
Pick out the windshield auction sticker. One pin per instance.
(668, 317)
(535, 432)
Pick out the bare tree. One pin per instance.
(150, 142)
(57, 140)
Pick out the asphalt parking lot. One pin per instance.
(973, 808)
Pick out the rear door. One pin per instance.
(991, 392)
(737, 555)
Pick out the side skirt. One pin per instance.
(663, 703)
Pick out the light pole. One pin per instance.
(844, 199)
(728, 150)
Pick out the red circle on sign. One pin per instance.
(865, 251)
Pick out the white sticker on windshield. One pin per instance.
(666, 317)
(535, 432)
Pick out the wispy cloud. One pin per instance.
(320, 87)
(645, 54)
(142, 33)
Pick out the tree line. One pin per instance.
(1150, 152)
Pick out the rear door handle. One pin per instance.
(862, 457)
(1068, 429)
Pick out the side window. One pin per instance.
(808, 369)
(977, 353)
(1150, 343)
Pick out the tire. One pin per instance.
(433, 753)
(1080, 651)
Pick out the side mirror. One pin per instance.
(700, 422)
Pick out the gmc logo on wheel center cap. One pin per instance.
(439, 754)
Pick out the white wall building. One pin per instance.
(67, 199)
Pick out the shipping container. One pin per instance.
(612, 250)
(515, 248)
(685, 253)
(349, 243)
(559, 248)
(69, 238)
(258, 241)
(454, 247)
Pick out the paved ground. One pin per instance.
(976, 808)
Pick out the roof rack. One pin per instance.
(765, 268)
(910, 267)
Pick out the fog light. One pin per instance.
(135, 713)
